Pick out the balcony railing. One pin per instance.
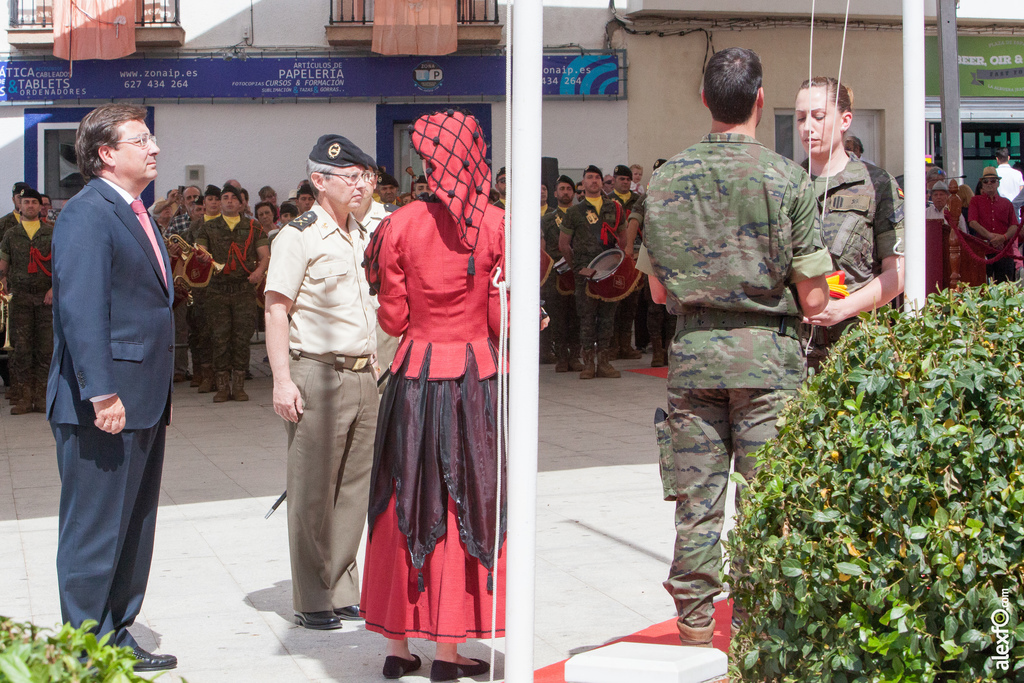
(39, 13)
(349, 12)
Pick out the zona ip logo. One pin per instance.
(428, 76)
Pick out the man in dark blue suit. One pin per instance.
(108, 399)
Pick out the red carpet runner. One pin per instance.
(664, 633)
(652, 372)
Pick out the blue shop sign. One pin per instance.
(566, 75)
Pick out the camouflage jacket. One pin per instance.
(550, 229)
(27, 271)
(863, 220)
(239, 260)
(7, 222)
(730, 226)
(592, 232)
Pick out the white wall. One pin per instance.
(220, 23)
(264, 144)
(580, 133)
(12, 151)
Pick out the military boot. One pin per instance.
(24, 403)
(238, 386)
(658, 359)
(563, 360)
(574, 359)
(196, 376)
(39, 397)
(13, 392)
(223, 386)
(626, 350)
(589, 370)
(205, 379)
(695, 637)
(604, 368)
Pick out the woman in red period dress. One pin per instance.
(430, 568)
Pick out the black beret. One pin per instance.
(622, 170)
(305, 188)
(386, 179)
(231, 189)
(28, 193)
(593, 169)
(659, 163)
(565, 179)
(19, 186)
(335, 150)
(212, 191)
(500, 173)
(420, 179)
(369, 162)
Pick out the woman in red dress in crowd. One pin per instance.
(430, 561)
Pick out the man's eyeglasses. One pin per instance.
(140, 141)
(352, 178)
(988, 181)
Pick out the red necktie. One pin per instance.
(140, 211)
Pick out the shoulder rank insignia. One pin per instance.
(592, 217)
(304, 221)
(849, 202)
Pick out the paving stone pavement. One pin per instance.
(220, 589)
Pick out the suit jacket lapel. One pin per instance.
(131, 221)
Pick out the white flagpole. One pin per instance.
(914, 153)
(524, 183)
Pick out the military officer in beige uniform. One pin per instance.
(324, 385)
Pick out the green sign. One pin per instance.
(990, 66)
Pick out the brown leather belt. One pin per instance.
(353, 363)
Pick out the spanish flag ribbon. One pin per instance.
(837, 285)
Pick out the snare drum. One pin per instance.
(616, 276)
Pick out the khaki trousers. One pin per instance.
(330, 455)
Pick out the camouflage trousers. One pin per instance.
(597, 318)
(625, 314)
(231, 313)
(199, 330)
(32, 338)
(706, 431)
(565, 322)
(660, 323)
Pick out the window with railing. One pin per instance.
(361, 11)
(39, 13)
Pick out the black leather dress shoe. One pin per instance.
(147, 661)
(350, 613)
(319, 621)
(449, 671)
(396, 667)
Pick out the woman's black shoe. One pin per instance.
(396, 667)
(449, 671)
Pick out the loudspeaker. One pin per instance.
(548, 176)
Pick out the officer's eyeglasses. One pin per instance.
(141, 141)
(352, 178)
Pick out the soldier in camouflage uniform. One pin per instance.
(12, 219)
(241, 245)
(200, 342)
(735, 251)
(626, 311)
(661, 325)
(589, 228)
(25, 262)
(862, 209)
(561, 306)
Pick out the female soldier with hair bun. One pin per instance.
(862, 212)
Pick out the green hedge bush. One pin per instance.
(882, 535)
(29, 654)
